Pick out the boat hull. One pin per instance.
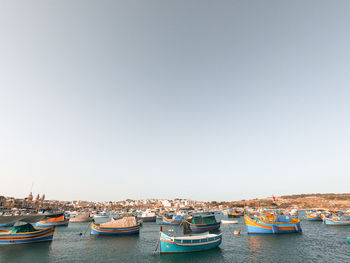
(336, 223)
(149, 219)
(29, 237)
(169, 245)
(170, 221)
(255, 226)
(313, 218)
(203, 228)
(52, 223)
(97, 230)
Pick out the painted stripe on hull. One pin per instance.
(257, 227)
(336, 223)
(169, 246)
(204, 228)
(48, 223)
(30, 237)
(168, 221)
(96, 230)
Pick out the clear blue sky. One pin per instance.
(209, 100)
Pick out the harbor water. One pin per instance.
(317, 243)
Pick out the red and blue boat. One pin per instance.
(123, 226)
(172, 219)
(201, 223)
(272, 224)
(55, 221)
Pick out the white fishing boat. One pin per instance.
(229, 221)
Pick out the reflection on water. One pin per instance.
(254, 243)
(26, 252)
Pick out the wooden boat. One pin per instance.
(26, 234)
(123, 226)
(313, 216)
(230, 213)
(102, 215)
(336, 221)
(229, 222)
(201, 223)
(272, 224)
(191, 243)
(81, 218)
(148, 217)
(172, 220)
(55, 221)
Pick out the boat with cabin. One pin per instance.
(271, 223)
(201, 222)
(23, 231)
(188, 243)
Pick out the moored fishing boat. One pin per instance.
(26, 234)
(272, 224)
(231, 213)
(201, 222)
(229, 222)
(148, 217)
(337, 221)
(56, 221)
(102, 215)
(172, 220)
(84, 217)
(123, 226)
(186, 244)
(313, 216)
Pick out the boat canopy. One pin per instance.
(204, 220)
(23, 228)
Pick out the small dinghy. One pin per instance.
(229, 222)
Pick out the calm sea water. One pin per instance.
(317, 243)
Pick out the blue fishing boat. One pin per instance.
(337, 221)
(123, 226)
(26, 234)
(172, 219)
(191, 243)
(201, 223)
(56, 221)
(272, 224)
